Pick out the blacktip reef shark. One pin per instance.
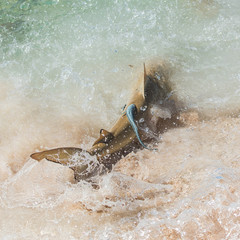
(152, 106)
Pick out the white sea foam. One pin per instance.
(67, 68)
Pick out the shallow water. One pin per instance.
(67, 68)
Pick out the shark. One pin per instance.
(151, 109)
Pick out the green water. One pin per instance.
(65, 50)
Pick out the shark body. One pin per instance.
(151, 106)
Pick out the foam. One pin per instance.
(189, 187)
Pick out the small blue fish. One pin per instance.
(131, 110)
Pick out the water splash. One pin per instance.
(67, 67)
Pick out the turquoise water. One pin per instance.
(66, 70)
(78, 52)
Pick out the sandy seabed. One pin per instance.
(188, 189)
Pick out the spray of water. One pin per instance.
(66, 69)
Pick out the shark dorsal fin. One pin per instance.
(105, 137)
(104, 133)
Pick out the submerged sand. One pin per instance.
(188, 189)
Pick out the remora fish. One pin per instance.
(152, 104)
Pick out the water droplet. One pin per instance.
(143, 108)
(25, 6)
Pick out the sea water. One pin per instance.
(66, 70)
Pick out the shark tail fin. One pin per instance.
(145, 75)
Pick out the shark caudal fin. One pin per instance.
(142, 82)
(144, 75)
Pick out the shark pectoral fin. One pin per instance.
(80, 161)
(105, 137)
(59, 155)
